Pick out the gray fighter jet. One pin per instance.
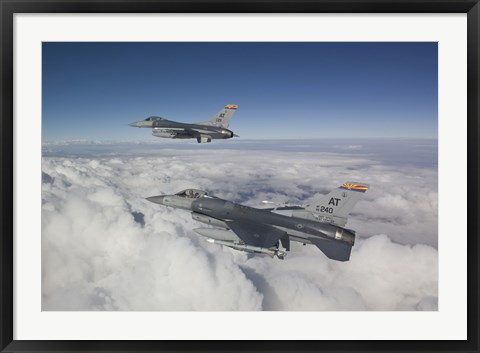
(263, 230)
(216, 128)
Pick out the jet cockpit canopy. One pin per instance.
(154, 118)
(191, 193)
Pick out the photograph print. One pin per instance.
(239, 176)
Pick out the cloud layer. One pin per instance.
(104, 247)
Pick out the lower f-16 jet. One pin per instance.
(263, 230)
(215, 128)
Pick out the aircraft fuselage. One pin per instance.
(223, 214)
(215, 128)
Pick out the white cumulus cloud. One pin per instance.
(104, 247)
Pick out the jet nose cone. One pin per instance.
(156, 199)
(133, 124)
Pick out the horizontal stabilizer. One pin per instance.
(334, 250)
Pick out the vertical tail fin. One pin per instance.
(222, 118)
(336, 206)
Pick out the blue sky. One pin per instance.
(284, 90)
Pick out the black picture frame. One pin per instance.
(10, 7)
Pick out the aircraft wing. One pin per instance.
(256, 234)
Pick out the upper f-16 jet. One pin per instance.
(215, 128)
(263, 230)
